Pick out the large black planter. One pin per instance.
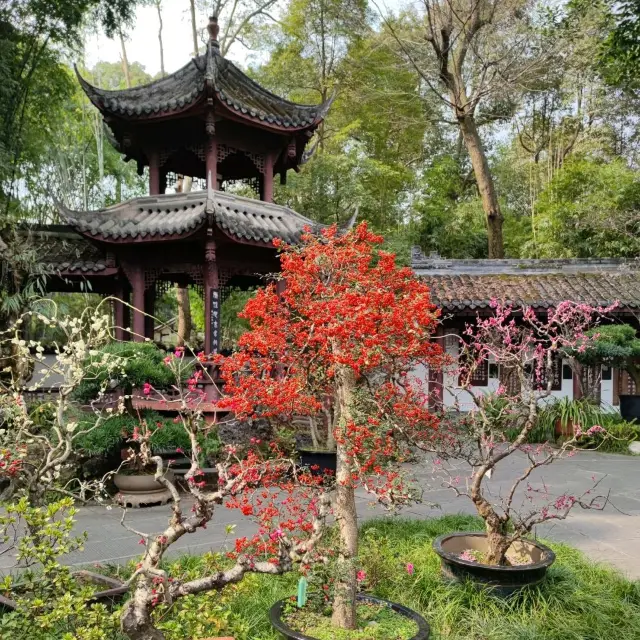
(501, 580)
(275, 617)
(630, 407)
(323, 460)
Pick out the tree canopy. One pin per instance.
(537, 157)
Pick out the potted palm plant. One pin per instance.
(561, 416)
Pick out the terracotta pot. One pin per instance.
(141, 483)
(565, 431)
(502, 580)
(275, 617)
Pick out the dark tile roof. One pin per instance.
(471, 284)
(206, 73)
(146, 217)
(64, 250)
(153, 217)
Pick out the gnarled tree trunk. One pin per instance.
(344, 613)
(497, 536)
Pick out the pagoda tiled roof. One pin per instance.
(470, 285)
(64, 250)
(207, 74)
(152, 218)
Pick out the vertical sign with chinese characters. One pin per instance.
(214, 323)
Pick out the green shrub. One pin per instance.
(142, 362)
(619, 434)
(51, 605)
(568, 412)
(579, 600)
(110, 435)
(616, 345)
(167, 435)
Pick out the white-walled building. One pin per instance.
(463, 290)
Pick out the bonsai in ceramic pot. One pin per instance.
(471, 446)
(618, 345)
(344, 332)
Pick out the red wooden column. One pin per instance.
(211, 298)
(577, 386)
(136, 278)
(212, 163)
(267, 188)
(154, 173)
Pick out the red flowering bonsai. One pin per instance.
(526, 347)
(345, 330)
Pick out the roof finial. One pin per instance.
(213, 30)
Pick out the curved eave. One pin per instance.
(88, 273)
(140, 238)
(241, 240)
(100, 97)
(243, 114)
(76, 220)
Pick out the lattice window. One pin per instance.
(224, 151)
(451, 341)
(154, 274)
(479, 374)
(199, 150)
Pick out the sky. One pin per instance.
(142, 41)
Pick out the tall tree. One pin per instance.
(194, 26)
(34, 37)
(158, 5)
(124, 59)
(477, 56)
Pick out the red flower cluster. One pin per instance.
(346, 306)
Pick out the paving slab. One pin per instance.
(611, 536)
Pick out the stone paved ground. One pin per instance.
(611, 536)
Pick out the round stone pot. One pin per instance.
(630, 407)
(134, 484)
(275, 617)
(324, 460)
(502, 581)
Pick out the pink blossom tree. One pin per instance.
(524, 345)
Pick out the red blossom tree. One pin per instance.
(345, 332)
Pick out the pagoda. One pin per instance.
(211, 122)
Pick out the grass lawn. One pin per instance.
(579, 601)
